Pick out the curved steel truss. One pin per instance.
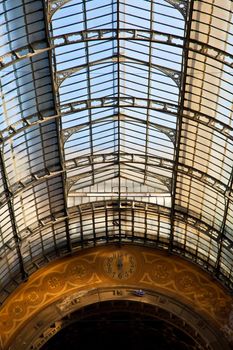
(116, 124)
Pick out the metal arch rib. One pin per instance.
(169, 132)
(44, 116)
(39, 47)
(66, 73)
(153, 161)
(131, 101)
(111, 159)
(188, 23)
(13, 220)
(164, 180)
(102, 206)
(58, 125)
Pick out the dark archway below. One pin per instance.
(118, 325)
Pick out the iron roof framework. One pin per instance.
(115, 126)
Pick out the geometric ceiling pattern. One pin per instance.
(116, 125)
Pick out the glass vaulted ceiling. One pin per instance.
(115, 126)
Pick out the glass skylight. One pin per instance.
(115, 126)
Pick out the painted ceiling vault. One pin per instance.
(116, 125)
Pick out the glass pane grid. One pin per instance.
(118, 113)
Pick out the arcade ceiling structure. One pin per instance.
(116, 126)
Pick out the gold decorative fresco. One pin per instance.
(132, 266)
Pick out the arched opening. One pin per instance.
(124, 324)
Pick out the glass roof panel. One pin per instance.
(108, 116)
(116, 125)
